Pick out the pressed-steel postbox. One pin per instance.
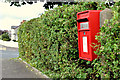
(88, 26)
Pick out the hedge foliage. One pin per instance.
(50, 43)
(108, 64)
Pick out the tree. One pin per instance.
(48, 3)
(5, 37)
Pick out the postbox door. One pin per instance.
(84, 44)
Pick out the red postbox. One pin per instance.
(88, 24)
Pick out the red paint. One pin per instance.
(93, 18)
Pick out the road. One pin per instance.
(11, 68)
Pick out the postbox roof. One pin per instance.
(88, 11)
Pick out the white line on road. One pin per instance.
(3, 48)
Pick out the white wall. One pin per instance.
(12, 34)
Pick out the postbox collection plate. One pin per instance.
(84, 25)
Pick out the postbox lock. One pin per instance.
(84, 33)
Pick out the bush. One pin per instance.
(5, 37)
(1, 37)
(109, 52)
(49, 43)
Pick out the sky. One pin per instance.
(12, 15)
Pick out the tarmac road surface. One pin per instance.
(10, 68)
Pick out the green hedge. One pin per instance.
(50, 43)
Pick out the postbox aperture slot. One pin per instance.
(82, 20)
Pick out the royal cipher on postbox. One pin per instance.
(88, 25)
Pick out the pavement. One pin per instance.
(14, 68)
(9, 43)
